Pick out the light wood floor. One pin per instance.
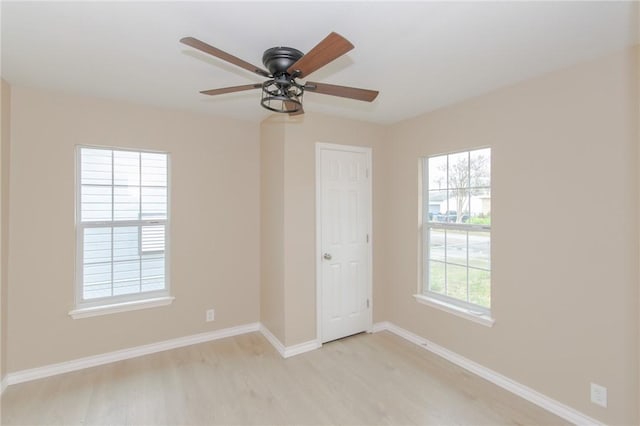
(368, 379)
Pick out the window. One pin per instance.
(122, 224)
(456, 230)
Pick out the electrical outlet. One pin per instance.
(599, 395)
(211, 315)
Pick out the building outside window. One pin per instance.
(122, 225)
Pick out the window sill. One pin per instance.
(483, 319)
(94, 311)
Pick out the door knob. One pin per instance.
(327, 256)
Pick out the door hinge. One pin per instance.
(367, 303)
(367, 237)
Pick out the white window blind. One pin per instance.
(122, 225)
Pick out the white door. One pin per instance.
(344, 254)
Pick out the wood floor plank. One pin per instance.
(367, 379)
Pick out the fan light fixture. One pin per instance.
(282, 94)
(280, 103)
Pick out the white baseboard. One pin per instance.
(288, 351)
(380, 326)
(275, 342)
(92, 361)
(301, 348)
(504, 382)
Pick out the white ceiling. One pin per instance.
(420, 55)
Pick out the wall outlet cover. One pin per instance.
(599, 395)
(211, 315)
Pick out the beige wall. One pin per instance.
(564, 237)
(5, 126)
(288, 161)
(637, 107)
(214, 224)
(272, 226)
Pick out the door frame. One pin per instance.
(346, 148)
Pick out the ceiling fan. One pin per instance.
(283, 90)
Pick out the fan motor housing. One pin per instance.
(279, 59)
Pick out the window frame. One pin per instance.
(449, 303)
(118, 303)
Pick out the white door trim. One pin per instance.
(347, 148)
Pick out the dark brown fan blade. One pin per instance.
(204, 47)
(343, 91)
(333, 46)
(224, 90)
